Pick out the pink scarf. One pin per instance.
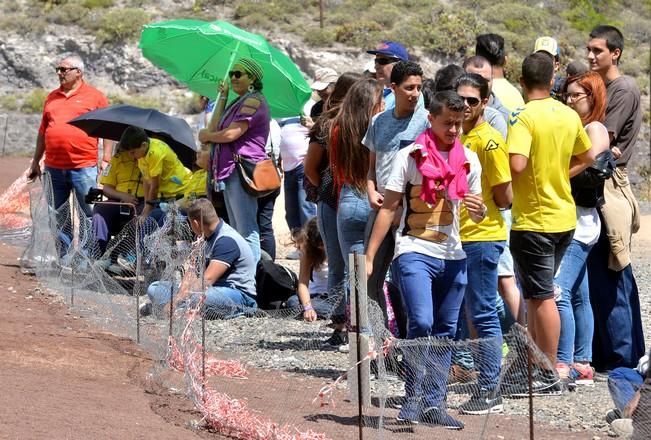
(439, 174)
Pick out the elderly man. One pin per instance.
(70, 154)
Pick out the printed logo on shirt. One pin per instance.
(491, 145)
(514, 116)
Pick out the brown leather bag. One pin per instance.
(258, 178)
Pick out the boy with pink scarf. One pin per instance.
(435, 175)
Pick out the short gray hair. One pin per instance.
(75, 60)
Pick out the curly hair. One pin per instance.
(310, 244)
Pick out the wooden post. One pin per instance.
(358, 337)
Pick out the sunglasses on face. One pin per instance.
(65, 70)
(236, 73)
(385, 61)
(471, 100)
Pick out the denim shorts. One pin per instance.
(536, 257)
(505, 265)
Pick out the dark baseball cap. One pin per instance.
(390, 49)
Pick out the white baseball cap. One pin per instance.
(323, 77)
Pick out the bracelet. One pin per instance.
(308, 307)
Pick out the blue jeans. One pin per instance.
(222, 301)
(79, 181)
(432, 290)
(298, 210)
(242, 212)
(577, 320)
(108, 220)
(618, 339)
(352, 217)
(623, 383)
(327, 220)
(482, 259)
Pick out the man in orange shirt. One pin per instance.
(70, 154)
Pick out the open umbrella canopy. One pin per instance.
(200, 54)
(110, 123)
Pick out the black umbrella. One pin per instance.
(110, 123)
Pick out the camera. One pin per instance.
(94, 195)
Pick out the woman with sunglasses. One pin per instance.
(241, 128)
(586, 94)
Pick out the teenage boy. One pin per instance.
(484, 242)
(435, 175)
(545, 139)
(388, 133)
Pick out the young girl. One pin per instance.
(313, 275)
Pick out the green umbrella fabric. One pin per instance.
(200, 54)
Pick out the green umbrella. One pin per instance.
(200, 54)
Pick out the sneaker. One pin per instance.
(459, 374)
(439, 417)
(293, 255)
(613, 415)
(344, 348)
(482, 403)
(622, 427)
(565, 374)
(543, 384)
(146, 309)
(338, 339)
(127, 262)
(583, 374)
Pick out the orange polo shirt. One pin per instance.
(66, 146)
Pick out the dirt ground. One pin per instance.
(62, 379)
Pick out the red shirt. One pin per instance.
(66, 146)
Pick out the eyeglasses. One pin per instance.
(471, 100)
(65, 70)
(385, 61)
(572, 97)
(236, 73)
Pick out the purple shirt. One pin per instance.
(253, 109)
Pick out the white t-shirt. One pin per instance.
(429, 230)
(294, 140)
(319, 281)
(588, 225)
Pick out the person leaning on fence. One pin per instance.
(229, 270)
(243, 130)
(435, 175)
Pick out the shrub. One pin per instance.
(9, 102)
(121, 25)
(92, 4)
(319, 37)
(141, 101)
(23, 24)
(33, 101)
(70, 13)
(271, 10)
(359, 33)
(451, 32)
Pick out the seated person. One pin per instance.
(164, 176)
(313, 275)
(229, 269)
(122, 183)
(624, 385)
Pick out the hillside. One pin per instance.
(105, 33)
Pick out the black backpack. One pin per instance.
(274, 284)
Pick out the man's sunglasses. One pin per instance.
(65, 69)
(385, 61)
(471, 100)
(236, 73)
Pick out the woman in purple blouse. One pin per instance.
(243, 129)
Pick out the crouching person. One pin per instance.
(229, 270)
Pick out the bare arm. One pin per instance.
(151, 193)
(107, 152)
(374, 197)
(475, 207)
(112, 193)
(312, 161)
(518, 163)
(382, 225)
(303, 291)
(35, 167)
(503, 194)
(214, 271)
(229, 134)
(581, 161)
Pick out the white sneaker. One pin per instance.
(294, 255)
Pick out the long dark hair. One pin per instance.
(310, 243)
(349, 158)
(321, 127)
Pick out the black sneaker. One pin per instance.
(146, 309)
(613, 415)
(538, 388)
(338, 339)
(439, 417)
(483, 403)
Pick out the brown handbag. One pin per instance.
(258, 178)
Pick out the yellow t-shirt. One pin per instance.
(161, 161)
(548, 133)
(123, 174)
(494, 158)
(507, 93)
(196, 186)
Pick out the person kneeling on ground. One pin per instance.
(229, 269)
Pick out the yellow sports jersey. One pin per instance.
(196, 186)
(122, 173)
(494, 158)
(161, 161)
(507, 93)
(548, 133)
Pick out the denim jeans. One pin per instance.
(321, 302)
(79, 181)
(432, 290)
(618, 339)
(222, 301)
(265, 223)
(108, 220)
(352, 216)
(623, 383)
(577, 320)
(327, 220)
(243, 212)
(298, 210)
